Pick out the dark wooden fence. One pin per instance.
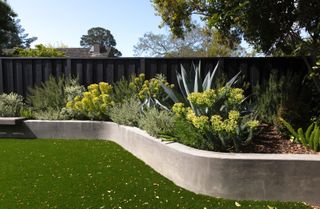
(18, 74)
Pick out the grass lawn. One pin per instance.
(82, 174)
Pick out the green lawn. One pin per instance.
(81, 174)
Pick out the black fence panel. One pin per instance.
(18, 74)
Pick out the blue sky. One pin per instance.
(65, 21)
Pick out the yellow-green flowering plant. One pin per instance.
(150, 91)
(216, 114)
(94, 103)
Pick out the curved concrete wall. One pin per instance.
(282, 177)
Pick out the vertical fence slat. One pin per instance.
(47, 69)
(38, 72)
(79, 71)
(58, 68)
(164, 69)
(131, 69)
(120, 71)
(68, 67)
(254, 75)
(142, 68)
(9, 76)
(153, 69)
(28, 76)
(18, 78)
(1, 77)
(99, 71)
(109, 73)
(89, 74)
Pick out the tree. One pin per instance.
(102, 37)
(11, 32)
(39, 51)
(273, 27)
(198, 42)
(7, 23)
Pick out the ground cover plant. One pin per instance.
(94, 174)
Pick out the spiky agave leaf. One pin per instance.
(207, 82)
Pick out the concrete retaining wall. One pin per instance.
(282, 177)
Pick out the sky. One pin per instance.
(59, 22)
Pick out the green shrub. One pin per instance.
(122, 92)
(10, 105)
(150, 91)
(156, 122)
(126, 113)
(39, 51)
(269, 98)
(48, 114)
(313, 82)
(72, 89)
(95, 103)
(185, 133)
(26, 112)
(51, 97)
(283, 96)
(216, 115)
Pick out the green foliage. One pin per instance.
(283, 96)
(150, 91)
(216, 114)
(310, 138)
(126, 113)
(277, 27)
(10, 105)
(39, 51)
(121, 91)
(269, 98)
(50, 97)
(26, 112)
(94, 103)
(11, 33)
(7, 24)
(72, 89)
(192, 82)
(313, 82)
(199, 42)
(48, 114)
(185, 133)
(101, 36)
(156, 122)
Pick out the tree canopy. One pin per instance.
(101, 36)
(11, 32)
(39, 51)
(198, 42)
(283, 27)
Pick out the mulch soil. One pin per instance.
(270, 140)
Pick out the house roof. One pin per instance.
(81, 52)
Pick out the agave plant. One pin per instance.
(192, 81)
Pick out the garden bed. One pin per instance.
(270, 140)
(284, 177)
